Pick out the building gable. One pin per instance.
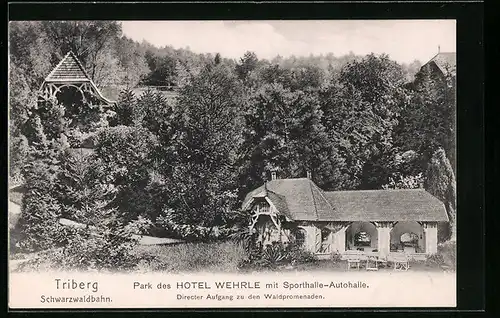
(68, 69)
(445, 62)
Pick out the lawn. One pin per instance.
(226, 256)
(190, 257)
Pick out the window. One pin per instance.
(300, 236)
(264, 207)
(261, 207)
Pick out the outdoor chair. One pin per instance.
(401, 263)
(353, 262)
(371, 263)
(381, 261)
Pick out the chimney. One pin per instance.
(439, 49)
(273, 174)
(309, 175)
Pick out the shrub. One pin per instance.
(245, 237)
(300, 256)
(445, 256)
(336, 257)
(434, 260)
(92, 252)
(448, 251)
(275, 255)
(194, 232)
(86, 250)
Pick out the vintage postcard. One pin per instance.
(232, 164)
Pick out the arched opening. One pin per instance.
(361, 236)
(70, 96)
(408, 237)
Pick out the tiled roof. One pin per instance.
(300, 199)
(68, 69)
(387, 205)
(446, 62)
(279, 202)
(303, 199)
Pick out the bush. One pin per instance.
(448, 250)
(196, 233)
(246, 237)
(86, 250)
(91, 252)
(445, 256)
(37, 228)
(434, 260)
(336, 257)
(275, 255)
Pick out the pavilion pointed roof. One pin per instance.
(69, 69)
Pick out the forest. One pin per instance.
(191, 134)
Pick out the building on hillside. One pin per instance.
(442, 67)
(378, 222)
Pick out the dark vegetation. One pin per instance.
(180, 167)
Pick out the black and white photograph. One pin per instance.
(218, 156)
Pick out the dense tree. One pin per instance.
(133, 63)
(80, 189)
(428, 121)
(361, 109)
(30, 51)
(102, 238)
(126, 109)
(309, 76)
(163, 69)
(155, 110)
(247, 64)
(38, 226)
(125, 153)
(283, 131)
(201, 175)
(21, 101)
(91, 41)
